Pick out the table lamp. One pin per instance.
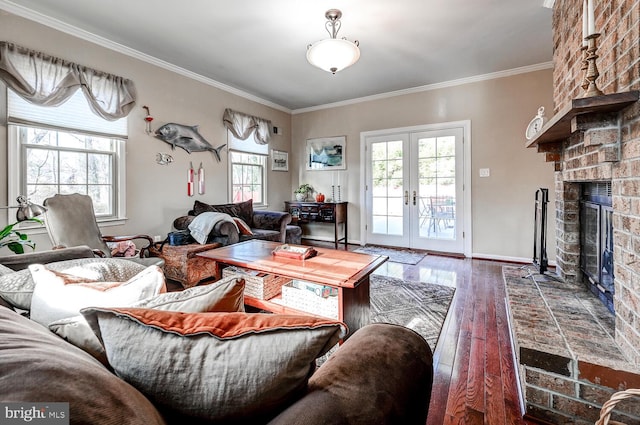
(26, 209)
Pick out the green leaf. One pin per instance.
(16, 247)
(16, 240)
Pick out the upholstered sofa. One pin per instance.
(382, 374)
(249, 223)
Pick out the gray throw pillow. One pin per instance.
(216, 367)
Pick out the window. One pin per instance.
(66, 149)
(247, 170)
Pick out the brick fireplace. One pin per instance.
(600, 142)
(593, 142)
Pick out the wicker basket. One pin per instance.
(259, 285)
(609, 405)
(302, 296)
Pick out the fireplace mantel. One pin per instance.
(558, 127)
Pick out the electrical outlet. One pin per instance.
(157, 238)
(485, 172)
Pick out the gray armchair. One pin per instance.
(70, 221)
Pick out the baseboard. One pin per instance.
(329, 239)
(507, 259)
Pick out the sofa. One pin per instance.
(382, 374)
(248, 223)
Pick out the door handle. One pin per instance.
(406, 197)
(414, 197)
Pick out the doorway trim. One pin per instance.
(466, 171)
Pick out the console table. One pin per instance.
(320, 212)
(346, 271)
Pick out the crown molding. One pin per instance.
(101, 41)
(429, 87)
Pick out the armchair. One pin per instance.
(70, 221)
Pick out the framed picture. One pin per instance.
(279, 160)
(326, 153)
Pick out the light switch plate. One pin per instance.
(485, 172)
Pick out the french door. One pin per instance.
(414, 189)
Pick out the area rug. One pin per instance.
(419, 306)
(396, 255)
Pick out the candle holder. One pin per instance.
(585, 66)
(339, 197)
(592, 69)
(333, 193)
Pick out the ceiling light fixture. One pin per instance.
(333, 54)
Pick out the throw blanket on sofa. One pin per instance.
(202, 225)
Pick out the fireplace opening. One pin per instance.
(596, 240)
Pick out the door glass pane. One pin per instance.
(436, 187)
(387, 191)
(395, 226)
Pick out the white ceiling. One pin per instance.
(258, 46)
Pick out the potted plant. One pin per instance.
(15, 240)
(303, 191)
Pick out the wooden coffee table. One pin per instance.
(347, 271)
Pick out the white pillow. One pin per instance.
(17, 287)
(59, 296)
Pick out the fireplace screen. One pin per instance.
(596, 242)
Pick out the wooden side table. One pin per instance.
(334, 213)
(183, 265)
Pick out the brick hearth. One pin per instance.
(569, 363)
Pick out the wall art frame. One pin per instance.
(326, 153)
(279, 160)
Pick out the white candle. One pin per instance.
(591, 17)
(585, 23)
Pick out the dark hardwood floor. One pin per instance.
(474, 380)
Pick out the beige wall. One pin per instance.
(499, 111)
(155, 194)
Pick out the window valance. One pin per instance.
(49, 81)
(242, 125)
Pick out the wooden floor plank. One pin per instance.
(474, 373)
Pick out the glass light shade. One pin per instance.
(333, 54)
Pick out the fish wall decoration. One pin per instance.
(187, 138)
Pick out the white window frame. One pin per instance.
(264, 202)
(248, 147)
(16, 169)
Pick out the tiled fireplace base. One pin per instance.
(569, 363)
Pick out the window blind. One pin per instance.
(245, 145)
(74, 114)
